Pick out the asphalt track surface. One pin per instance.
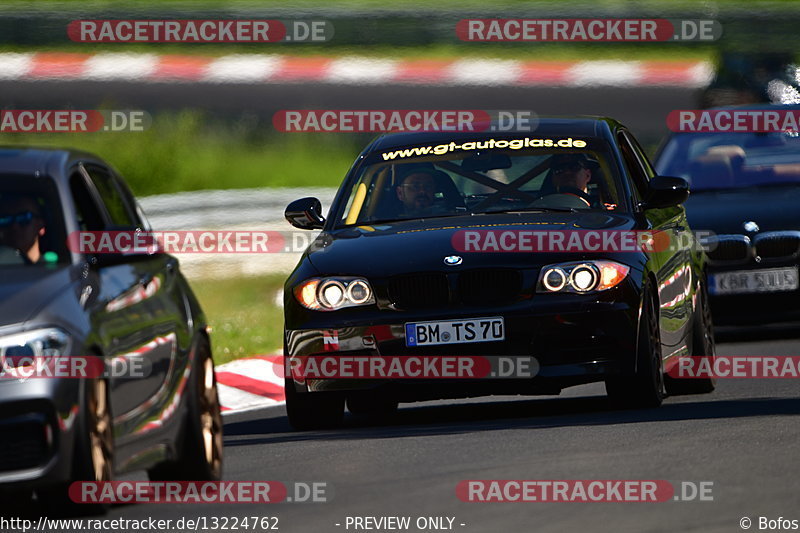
(643, 109)
(744, 438)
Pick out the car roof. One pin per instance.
(584, 126)
(30, 160)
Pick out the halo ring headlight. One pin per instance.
(559, 281)
(358, 292)
(584, 278)
(331, 293)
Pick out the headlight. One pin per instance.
(25, 348)
(581, 277)
(330, 294)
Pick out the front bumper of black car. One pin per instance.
(581, 341)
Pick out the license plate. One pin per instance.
(455, 331)
(754, 281)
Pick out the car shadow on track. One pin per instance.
(723, 334)
(423, 420)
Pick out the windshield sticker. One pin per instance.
(513, 144)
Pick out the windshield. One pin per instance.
(31, 223)
(712, 161)
(479, 177)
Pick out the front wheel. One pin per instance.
(645, 389)
(702, 346)
(200, 451)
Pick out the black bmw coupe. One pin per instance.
(482, 244)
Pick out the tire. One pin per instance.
(702, 346)
(645, 389)
(315, 410)
(93, 455)
(200, 451)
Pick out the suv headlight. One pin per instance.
(330, 294)
(581, 277)
(23, 349)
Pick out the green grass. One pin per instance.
(244, 318)
(451, 51)
(187, 151)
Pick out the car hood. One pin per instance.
(725, 212)
(25, 290)
(410, 246)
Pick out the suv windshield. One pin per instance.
(713, 161)
(31, 223)
(479, 177)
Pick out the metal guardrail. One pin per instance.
(228, 210)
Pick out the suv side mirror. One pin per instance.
(305, 213)
(666, 191)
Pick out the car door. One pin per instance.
(136, 315)
(672, 264)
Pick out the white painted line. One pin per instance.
(253, 408)
(257, 369)
(237, 399)
(243, 68)
(360, 70)
(483, 72)
(597, 73)
(114, 66)
(14, 66)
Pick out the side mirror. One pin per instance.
(666, 191)
(305, 213)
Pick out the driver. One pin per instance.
(416, 189)
(21, 225)
(572, 173)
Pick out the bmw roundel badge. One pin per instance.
(453, 260)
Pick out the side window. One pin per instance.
(112, 197)
(645, 161)
(90, 217)
(139, 218)
(634, 167)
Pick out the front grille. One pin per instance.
(728, 248)
(419, 290)
(487, 287)
(23, 446)
(778, 244)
